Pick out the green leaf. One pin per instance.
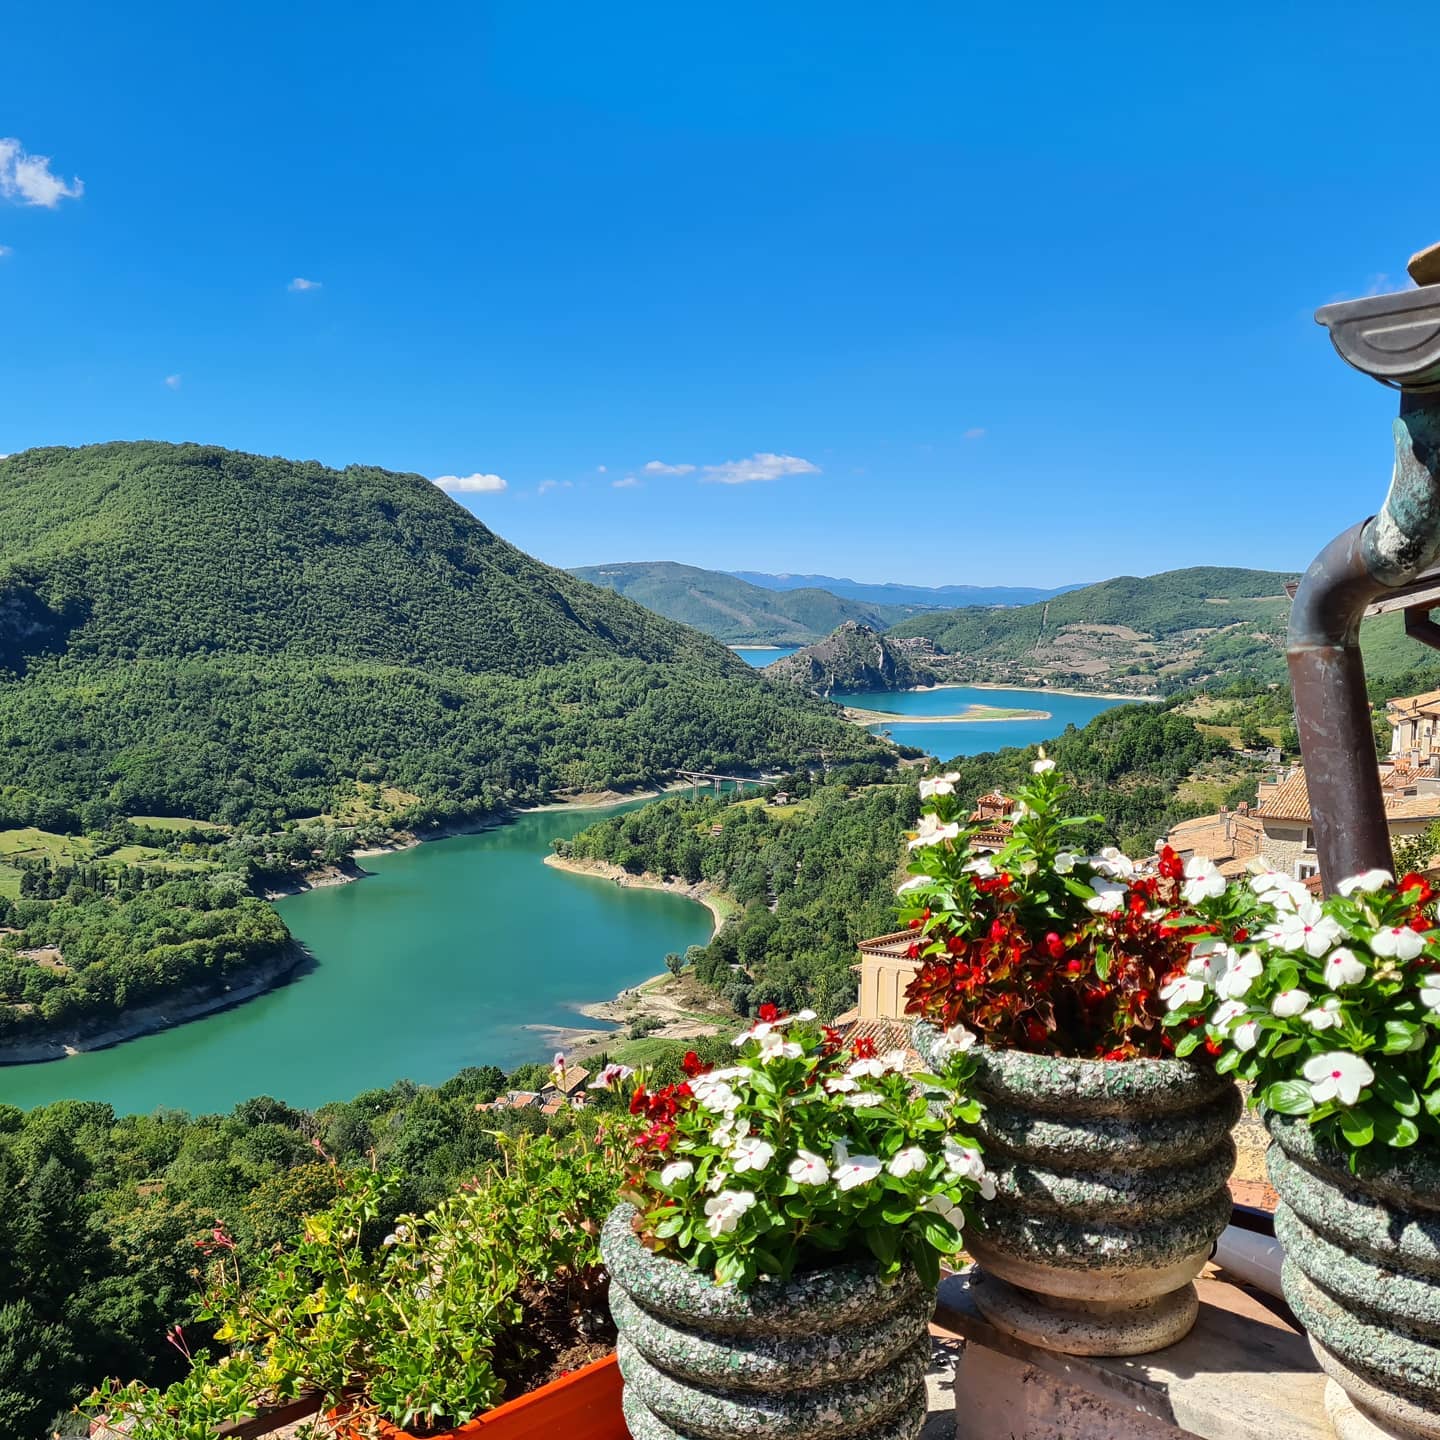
(1395, 1130)
(1357, 1125)
(927, 1263)
(1102, 962)
(1288, 1097)
(1227, 1062)
(1400, 1037)
(883, 1241)
(1396, 1091)
(940, 1235)
(1188, 1043)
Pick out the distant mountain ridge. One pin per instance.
(733, 610)
(1136, 633)
(938, 597)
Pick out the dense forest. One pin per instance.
(103, 1217)
(816, 876)
(185, 630)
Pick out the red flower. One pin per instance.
(768, 1014)
(832, 1040)
(863, 1048)
(1412, 881)
(691, 1065)
(1213, 1047)
(912, 951)
(1074, 967)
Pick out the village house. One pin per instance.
(1231, 838)
(1412, 805)
(1415, 731)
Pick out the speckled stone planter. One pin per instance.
(1362, 1272)
(831, 1354)
(1111, 1181)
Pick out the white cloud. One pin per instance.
(659, 467)
(975, 433)
(628, 483)
(761, 466)
(599, 469)
(476, 484)
(4, 251)
(546, 486)
(27, 179)
(301, 283)
(173, 381)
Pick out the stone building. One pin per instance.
(1412, 804)
(1415, 731)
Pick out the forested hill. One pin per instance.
(187, 630)
(853, 658)
(732, 609)
(1153, 632)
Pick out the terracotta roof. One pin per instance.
(1428, 703)
(1290, 800)
(892, 946)
(887, 1035)
(575, 1078)
(1226, 837)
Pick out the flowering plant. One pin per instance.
(805, 1149)
(1330, 1008)
(1039, 948)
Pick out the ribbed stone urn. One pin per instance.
(829, 1354)
(1111, 1187)
(1362, 1273)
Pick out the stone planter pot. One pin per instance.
(1111, 1187)
(1362, 1273)
(829, 1354)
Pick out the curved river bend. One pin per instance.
(441, 960)
(452, 953)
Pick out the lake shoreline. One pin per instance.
(1038, 690)
(195, 1003)
(701, 892)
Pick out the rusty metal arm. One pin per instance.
(1332, 709)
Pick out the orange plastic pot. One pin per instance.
(583, 1405)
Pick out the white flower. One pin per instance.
(610, 1077)
(1325, 1015)
(676, 1171)
(1208, 961)
(946, 1209)
(841, 1084)
(939, 785)
(751, 1154)
(1399, 941)
(1240, 974)
(1227, 1013)
(1430, 990)
(955, 1041)
(856, 1170)
(1203, 880)
(1182, 990)
(1367, 882)
(1043, 765)
(932, 832)
(907, 1162)
(1290, 1003)
(876, 1065)
(399, 1233)
(725, 1210)
(1246, 1035)
(1305, 928)
(1337, 1075)
(1114, 863)
(728, 1131)
(715, 1095)
(962, 1161)
(1283, 891)
(807, 1168)
(981, 865)
(1344, 968)
(775, 1046)
(1107, 898)
(987, 1190)
(1065, 862)
(915, 882)
(805, 1016)
(864, 1100)
(758, 1031)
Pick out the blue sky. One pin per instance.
(942, 292)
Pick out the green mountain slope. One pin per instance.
(1156, 632)
(733, 610)
(187, 630)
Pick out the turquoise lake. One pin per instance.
(445, 957)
